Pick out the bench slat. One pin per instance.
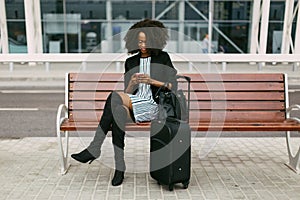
(95, 86)
(244, 86)
(227, 96)
(237, 116)
(210, 87)
(95, 77)
(195, 105)
(243, 96)
(236, 77)
(195, 126)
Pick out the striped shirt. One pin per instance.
(143, 105)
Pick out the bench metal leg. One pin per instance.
(63, 152)
(63, 142)
(294, 160)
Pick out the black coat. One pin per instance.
(161, 69)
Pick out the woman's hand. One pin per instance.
(136, 79)
(133, 80)
(144, 78)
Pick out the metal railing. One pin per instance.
(118, 58)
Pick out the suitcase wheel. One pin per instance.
(171, 187)
(185, 184)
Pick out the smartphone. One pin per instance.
(139, 74)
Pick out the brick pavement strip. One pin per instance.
(235, 168)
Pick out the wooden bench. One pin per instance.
(219, 102)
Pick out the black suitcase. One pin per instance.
(170, 148)
(170, 152)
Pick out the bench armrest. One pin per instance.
(62, 114)
(290, 109)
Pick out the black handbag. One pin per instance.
(173, 103)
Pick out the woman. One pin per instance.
(145, 72)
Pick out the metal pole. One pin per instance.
(38, 26)
(109, 26)
(264, 26)
(287, 28)
(3, 28)
(297, 34)
(65, 26)
(30, 28)
(181, 9)
(256, 13)
(210, 23)
(153, 9)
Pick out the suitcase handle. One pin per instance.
(188, 79)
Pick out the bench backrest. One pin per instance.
(214, 97)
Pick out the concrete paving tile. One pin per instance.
(264, 194)
(169, 197)
(127, 195)
(182, 194)
(210, 194)
(141, 190)
(197, 197)
(155, 194)
(56, 198)
(113, 198)
(144, 197)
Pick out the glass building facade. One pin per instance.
(83, 26)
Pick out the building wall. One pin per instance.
(231, 24)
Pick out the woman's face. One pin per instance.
(142, 43)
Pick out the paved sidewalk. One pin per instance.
(236, 168)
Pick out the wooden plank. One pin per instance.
(96, 77)
(105, 86)
(204, 126)
(95, 86)
(237, 96)
(237, 116)
(237, 105)
(87, 95)
(238, 86)
(195, 96)
(195, 105)
(86, 105)
(217, 116)
(236, 77)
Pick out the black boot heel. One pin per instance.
(84, 157)
(91, 161)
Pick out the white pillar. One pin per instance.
(287, 27)
(181, 11)
(210, 23)
(33, 26)
(297, 36)
(153, 9)
(255, 26)
(3, 28)
(38, 26)
(109, 26)
(29, 21)
(264, 26)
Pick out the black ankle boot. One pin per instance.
(118, 178)
(84, 157)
